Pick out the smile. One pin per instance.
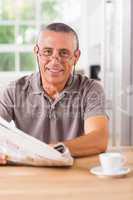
(55, 70)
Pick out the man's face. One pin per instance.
(56, 56)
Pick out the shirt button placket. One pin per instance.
(52, 112)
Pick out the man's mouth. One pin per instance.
(55, 70)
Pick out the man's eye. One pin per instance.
(47, 52)
(64, 53)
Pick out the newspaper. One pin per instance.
(21, 148)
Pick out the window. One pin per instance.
(19, 21)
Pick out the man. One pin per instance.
(55, 105)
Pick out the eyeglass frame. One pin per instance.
(49, 56)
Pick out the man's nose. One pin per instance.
(55, 56)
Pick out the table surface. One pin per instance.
(73, 183)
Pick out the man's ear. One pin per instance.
(77, 55)
(36, 49)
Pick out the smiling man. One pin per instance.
(55, 104)
(57, 53)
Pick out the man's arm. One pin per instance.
(93, 141)
(7, 102)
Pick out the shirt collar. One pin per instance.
(36, 84)
(71, 85)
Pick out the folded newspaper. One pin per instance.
(21, 148)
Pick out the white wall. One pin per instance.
(91, 33)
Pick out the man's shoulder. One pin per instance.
(23, 82)
(85, 83)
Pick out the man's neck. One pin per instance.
(53, 90)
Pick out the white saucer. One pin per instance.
(99, 172)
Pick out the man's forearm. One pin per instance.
(92, 143)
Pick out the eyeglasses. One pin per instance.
(47, 53)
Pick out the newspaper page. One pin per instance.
(21, 148)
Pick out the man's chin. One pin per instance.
(55, 81)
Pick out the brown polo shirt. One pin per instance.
(35, 113)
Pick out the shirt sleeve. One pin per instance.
(7, 103)
(94, 101)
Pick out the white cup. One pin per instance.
(111, 162)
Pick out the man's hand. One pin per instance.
(3, 159)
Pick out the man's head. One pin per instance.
(57, 50)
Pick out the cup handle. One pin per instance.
(124, 160)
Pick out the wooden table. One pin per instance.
(75, 183)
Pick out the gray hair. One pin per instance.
(61, 27)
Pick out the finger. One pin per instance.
(3, 159)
